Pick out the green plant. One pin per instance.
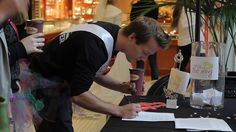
(221, 16)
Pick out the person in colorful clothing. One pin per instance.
(12, 49)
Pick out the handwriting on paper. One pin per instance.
(204, 68)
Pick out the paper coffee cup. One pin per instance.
(34, 26)
(137, 77)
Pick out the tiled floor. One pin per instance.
(87, 121)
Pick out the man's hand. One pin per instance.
(33, 43)
(128, 88)
(91, 102)
(130, 110)
(108, 82)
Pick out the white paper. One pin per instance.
(152, 117)
(204, 68)
(202, 124)
(197, 99)
(178, 81)
(212, 97)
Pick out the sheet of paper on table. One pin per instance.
(152, 117)
(202, 124)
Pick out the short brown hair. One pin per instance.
(145, 28)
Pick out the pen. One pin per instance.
(127, 99)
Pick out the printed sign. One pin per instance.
(178, 81)
(204, 68)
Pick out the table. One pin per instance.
(115, 124)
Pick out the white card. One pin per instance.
(204, 68)
(178, 81)
(171, 103)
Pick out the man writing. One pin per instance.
(83, 54)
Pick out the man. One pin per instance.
(140, 8)
(83, 54)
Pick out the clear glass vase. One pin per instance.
(207, 73)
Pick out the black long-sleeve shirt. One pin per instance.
(75, 57)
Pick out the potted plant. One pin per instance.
(220, 18)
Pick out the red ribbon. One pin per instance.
(152, 105)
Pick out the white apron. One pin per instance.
(104, 35)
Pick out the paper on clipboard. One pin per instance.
(152, 117)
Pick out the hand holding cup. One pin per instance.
(128, 88)
(34, 26)
(33, 43)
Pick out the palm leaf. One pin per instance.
(223, 17)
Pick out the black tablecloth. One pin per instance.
(115, 124)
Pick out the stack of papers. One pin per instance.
(202, 124)
(210, 96)
(190, 124)
(152, 116)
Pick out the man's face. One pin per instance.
(136, 52)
